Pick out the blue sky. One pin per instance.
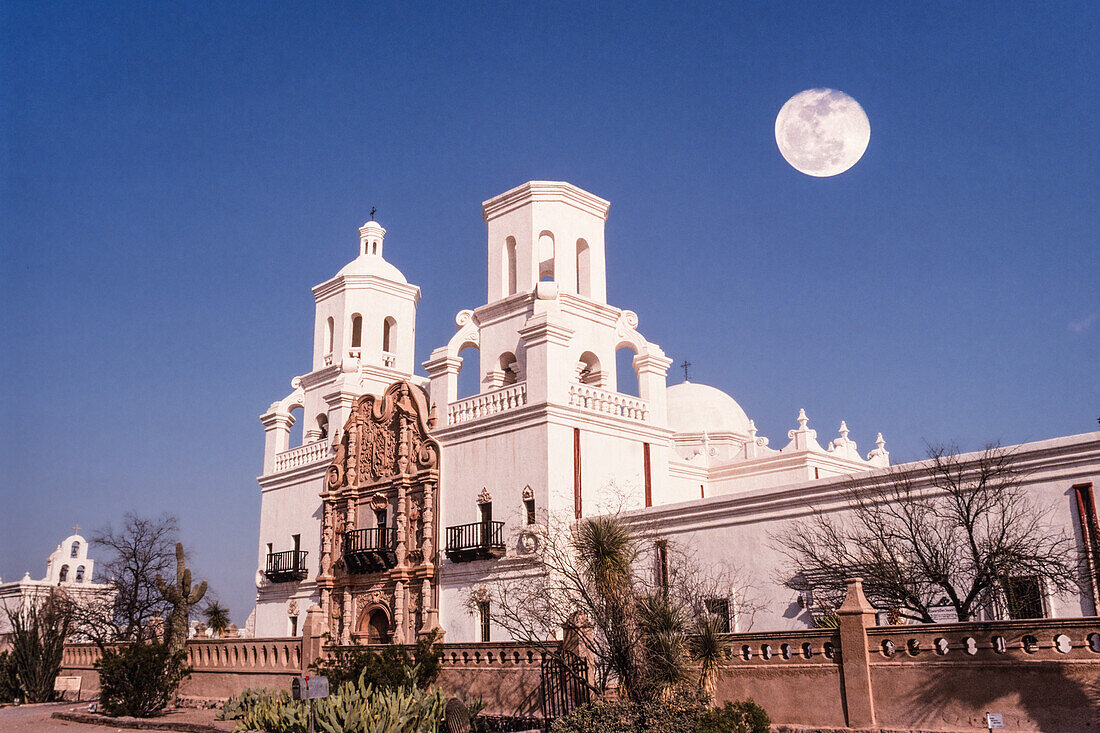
(175, 177)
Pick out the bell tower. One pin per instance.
(546, 230)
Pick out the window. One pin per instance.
(64, 574)
(269, 548)
(720, 609)
(322, 426)
(1024, 597)
(546, 256)
(510, 266)
(330, 326)
(79, 574)
(293, 625)
(75, 550)
(381, 516)
(389, 334)
(529, 507)
(483, 616)
(356, 331)
(297, 540)
(584, 269)
(662, 564)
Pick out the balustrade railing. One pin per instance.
(477, 541)
(303, 455)
(488, 403)
(609, 403)
(227, 655)
(288, 565)
(389, 360)
(369, 550)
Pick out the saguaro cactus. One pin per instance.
(182, 597)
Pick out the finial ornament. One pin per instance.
(752, 429)
(843, 429)
(802, 419)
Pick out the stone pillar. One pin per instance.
(443, 371)
(856, 614)
(313, 633)
(276, 436)
(546, 343)
(652, 372)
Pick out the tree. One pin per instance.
(644, 601)
(217, 618)
(136, 553)
(180, 597)
(139, 679)
(961, 528)
(39, 627)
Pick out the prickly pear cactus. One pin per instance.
(182, 597)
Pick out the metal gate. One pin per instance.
(564, 684)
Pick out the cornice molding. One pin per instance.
(559, 192)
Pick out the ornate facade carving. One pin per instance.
(378, 538)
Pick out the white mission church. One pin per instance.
(403, 498)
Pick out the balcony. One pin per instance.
(594, 399)
(488, 403)
(286, 566)
(370, 550)
(477, 541)
(304, 455)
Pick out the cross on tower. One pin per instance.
(76, 529)
(372, 210)
(685, 366)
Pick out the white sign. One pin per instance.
(994, 720)
(943, 614)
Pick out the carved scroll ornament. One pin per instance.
(383, 438)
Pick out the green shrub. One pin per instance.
(677, 711)
(392, 668)
(681, 710)
(237, 706)
(743, 716)
(139, 679)
(353, 708)
(9, 683)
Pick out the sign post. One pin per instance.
(994, 720)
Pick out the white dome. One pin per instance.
(372, 265)
(697, 408)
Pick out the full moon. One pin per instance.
(822, 132)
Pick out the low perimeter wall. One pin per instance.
(1040, 674)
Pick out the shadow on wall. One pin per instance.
(1059, 698)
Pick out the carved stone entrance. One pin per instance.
(378, 536)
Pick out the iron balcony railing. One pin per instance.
(477, 541)
(370, 550)
(284, 566)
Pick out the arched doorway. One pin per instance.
(374, 624)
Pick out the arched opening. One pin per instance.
(389, 335)
(469, 377)
(75, 551)
(509, 269)
(330, 327)
(588, 370)
(546, 256)
(584, 269)
(626, 378)
(509, 367)
(297, 430)
(64, 574)
(322, 426)
(356, 331)
(375, 625)
(79, 574)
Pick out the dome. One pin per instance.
(372, 265)
(697, 408)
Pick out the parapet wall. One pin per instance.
(1040, 675)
